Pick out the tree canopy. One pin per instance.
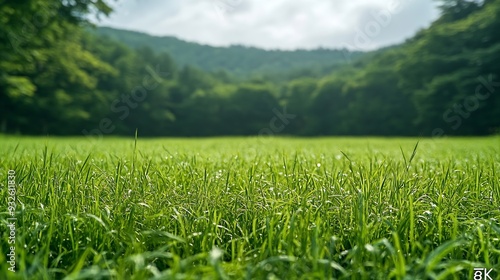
(59, 76)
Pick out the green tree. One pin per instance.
(31, 33)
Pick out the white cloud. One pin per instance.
(282, 24)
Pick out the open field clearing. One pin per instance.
(250, 208)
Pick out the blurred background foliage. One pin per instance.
(60, 75)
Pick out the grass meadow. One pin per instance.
(251, 208)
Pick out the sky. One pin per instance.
(278, 24)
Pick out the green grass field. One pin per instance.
(250, 208)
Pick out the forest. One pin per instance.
(62, 75)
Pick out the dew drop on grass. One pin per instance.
(215, 254)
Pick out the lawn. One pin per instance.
(249, 208)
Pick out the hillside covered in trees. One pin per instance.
(239, 61)
(59, 78)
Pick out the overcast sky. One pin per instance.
(278, 24)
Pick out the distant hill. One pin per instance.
(238, 60)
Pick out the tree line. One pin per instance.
(240, 62)
(57, 78)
